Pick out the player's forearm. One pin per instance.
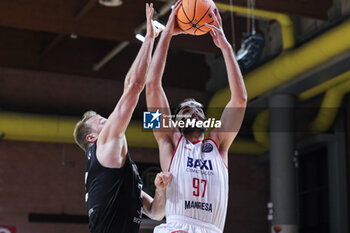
(134, 84)
(155, 95)
(157, 208)
(235, 78)
(156, 70)
(138, 70)
(122, 113)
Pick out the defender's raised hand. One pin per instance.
(152, 30)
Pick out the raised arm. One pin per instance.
(155, 95)
(233, 113)
(111, 141)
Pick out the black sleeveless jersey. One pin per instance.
(113, 196)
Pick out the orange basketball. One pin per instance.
(193, 14)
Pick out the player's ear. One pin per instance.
(92, 137)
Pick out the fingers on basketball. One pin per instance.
(218, 16)
(177, 5)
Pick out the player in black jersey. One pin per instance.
(114, 195)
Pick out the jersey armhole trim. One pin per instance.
(218, 151)
(172, 157)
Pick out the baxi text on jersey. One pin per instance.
(199, 164)
(199, 205)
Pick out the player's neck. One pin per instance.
(194, 136)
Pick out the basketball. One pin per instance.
(194, 14)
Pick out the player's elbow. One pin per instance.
(239, 101)
(154, 212)
(243, 99)
(136, 86)
(153, 84)
(158, 216)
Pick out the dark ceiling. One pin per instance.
(45, 70)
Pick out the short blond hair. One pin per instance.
(81, 130)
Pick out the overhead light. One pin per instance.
(140, 37)
(73, 36)
(111, 3)
(156, 24)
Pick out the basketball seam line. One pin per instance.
(204, 25)
(194, 12)
(198, 28)
(182, 6)
(183, 22)
(187, 29)
(204, 14)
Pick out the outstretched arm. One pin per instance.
(155, 208)
(233, 113)
(112, 139)
(155, 95)
(138, 70)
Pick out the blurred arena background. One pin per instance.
(289, 167)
